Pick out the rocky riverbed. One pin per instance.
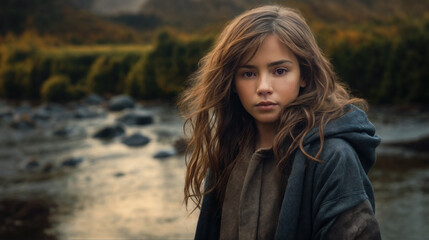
(114, 169)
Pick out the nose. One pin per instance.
(264, 86)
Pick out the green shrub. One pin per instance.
(15, 80)
(141, 82)
(15, 54)
(107, 74)
(76, 66)
(173, 60)
(78, 92)
(57, 89)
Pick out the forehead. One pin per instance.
(270, 48)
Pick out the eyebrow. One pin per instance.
(268, 65)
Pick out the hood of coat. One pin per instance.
(355, 128)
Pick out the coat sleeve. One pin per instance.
(357, 223)
(340, 185)
(208, 225)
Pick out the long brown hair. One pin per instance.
(218, 125)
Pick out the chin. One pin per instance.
(267, 120)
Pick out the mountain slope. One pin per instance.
(191, 14)
(60, 19)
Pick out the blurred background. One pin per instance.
(91, 144)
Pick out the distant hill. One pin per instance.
(65, 20)
(109, 7)
(191, 14)
(196, 14)
(111, 21)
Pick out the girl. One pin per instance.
(280, 145)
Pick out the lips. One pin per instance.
(265, 103)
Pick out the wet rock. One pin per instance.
(121, 102)
(32, 163)
(47, 167)
(110, 132)
(94, 99)
(136, 140)
(6, 115)
(50, 111)
(23, 122)
(180, 145)
(83, 113)
(23, 109)
(165, 154)
(72, 162)
(135, 118)
(41, 115)
(64, 131)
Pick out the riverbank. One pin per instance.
(58, 181)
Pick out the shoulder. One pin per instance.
(339, 157)
(336, 146)
(340, 175)
(336, 152)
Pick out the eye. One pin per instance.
(280, 71)
(248, 74)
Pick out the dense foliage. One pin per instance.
(378, 47)
(387, 70)
(31, 72)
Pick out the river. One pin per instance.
(113, 191)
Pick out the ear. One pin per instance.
(302, 83)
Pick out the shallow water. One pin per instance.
(123, 192)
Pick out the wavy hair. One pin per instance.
(217, 123)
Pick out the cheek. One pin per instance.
(241, 89)
(288, 91)
(245, 95)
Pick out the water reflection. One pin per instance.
(402, 198)
(124, 192)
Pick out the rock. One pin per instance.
(180, 145)
(6, 115)
(23, 122)
(23, 109)
(64, 131)
(121, 102)
(119, 174)
(50, 111)
(72, 162)
(94, 99)
(47, 167)
(41, 115)
(135, 118)
(110, 132)
(165, 153)
(82, 113)
(32, 163)
(136, 140)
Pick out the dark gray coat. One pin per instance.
(332, 200)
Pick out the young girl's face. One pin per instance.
(269, 81)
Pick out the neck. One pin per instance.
(265, 135)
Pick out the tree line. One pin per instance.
(382, 70)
